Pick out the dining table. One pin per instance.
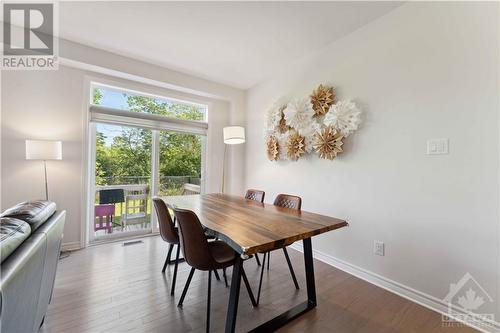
(252, 227)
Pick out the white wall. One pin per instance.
(50, 105)
(121, 66)
(43, 105)
(425, 70)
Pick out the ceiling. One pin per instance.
(235, 43)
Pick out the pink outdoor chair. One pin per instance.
(104, 215)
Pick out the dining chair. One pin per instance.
(203, 255)
(285, 201)
(170, 234)
(255, 195)
(104, 216)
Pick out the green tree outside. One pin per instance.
(127, 159)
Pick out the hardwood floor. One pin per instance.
(116, 288)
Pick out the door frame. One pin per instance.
(115, 117)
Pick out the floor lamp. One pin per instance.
(233, 135)
(44, 150)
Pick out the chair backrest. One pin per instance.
(194, 243)
(167, 228)
(288, 201)
(111, 196)
(255, 195)
(188, 189)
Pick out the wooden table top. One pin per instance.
(249, 226)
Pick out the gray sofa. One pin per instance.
(30, 241)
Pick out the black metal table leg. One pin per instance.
(257, 259)
(234, 295)
(290, 267)
(298, 310)
(309, 263)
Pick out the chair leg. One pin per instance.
(257, 259)
(184, 291)
(216, 275)
(290, 267)
(268, 259)
(261, 276)
(167, 260)
(208, 299)
(175, 269)
(249, 289)
(225, 277)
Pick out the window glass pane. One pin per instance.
(126, 100)
(122, 201)
(180, 163)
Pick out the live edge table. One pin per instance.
(250, 227)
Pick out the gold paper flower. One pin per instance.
(328, 143)
(321, 99)
(273, 149)
(295, 146)
(282, 126)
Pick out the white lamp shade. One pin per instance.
(234, 135)
(43, 150)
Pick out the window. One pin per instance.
(142, 146)
(128, 100)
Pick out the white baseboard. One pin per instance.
(70, 246)
(409, 293)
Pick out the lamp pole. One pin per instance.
(224, 168)
(46, 184)
(233, 135)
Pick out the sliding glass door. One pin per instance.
(180, 163)
(134, 159)
(122, 203)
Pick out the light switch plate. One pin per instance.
(379, 248)
(437, 146)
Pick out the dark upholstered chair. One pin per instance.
(169, 234)
(255, 195)
(285, 201)
(204, 255)
(288, 201)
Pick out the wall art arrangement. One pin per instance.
(315, 125)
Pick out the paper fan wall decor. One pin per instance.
(282, 125)
(318, 124)
(273, 148)
(299, 115)
(343, 116)
(273, 117)
(296, 146)
(321, 99)
(328, 143)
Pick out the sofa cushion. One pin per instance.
(34, 212)
(13, 232)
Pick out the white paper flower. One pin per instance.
(309, 132)
(343, 116)
(299, 114)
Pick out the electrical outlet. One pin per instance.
(379, 248)
(437, 146)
